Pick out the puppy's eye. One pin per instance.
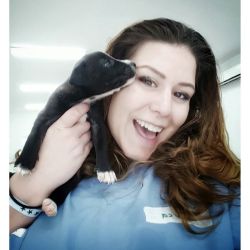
(108, 63)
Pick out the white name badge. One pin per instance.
(164, 215)
(160, 215)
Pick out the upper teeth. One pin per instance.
(149, 126)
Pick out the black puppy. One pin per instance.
(95, 76)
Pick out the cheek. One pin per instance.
(117, 113)
(112, 115)
(180, 116)
(178, 119)
(121, 105)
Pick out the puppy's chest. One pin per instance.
(94, 98)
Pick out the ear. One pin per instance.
(78, 75)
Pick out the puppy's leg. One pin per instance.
(99, 138)
(29, 154)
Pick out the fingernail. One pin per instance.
(46, 202)
(83, 118)
(86, 102)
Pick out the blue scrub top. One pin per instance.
(128, 215)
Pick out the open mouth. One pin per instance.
(147, 130)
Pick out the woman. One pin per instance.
(178, 180)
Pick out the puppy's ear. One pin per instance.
(78, 75)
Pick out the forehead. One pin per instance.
(170, 59)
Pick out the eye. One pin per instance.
(108, 63)
(182, 96)
(147, 81)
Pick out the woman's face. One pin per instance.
(150, 110)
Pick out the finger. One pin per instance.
(83, 118)
(80, 128)
(86, 137)
(72, 116)
(86, 149)
(49, 207)
(82, 150)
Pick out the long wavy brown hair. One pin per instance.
(198, 156)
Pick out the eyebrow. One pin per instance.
(152, 69)
(185, 84)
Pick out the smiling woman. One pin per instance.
(195, 153)
(168, 147)
(156, 102)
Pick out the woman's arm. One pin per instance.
(64, 148)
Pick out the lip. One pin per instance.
(148, 142)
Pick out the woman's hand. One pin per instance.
(65, 147)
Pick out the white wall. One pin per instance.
(231, 108)
(20, 124)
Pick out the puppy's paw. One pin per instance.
(108, 177)
(22, 171)
(49, 207)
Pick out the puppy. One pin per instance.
(94, 77)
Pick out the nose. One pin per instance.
(162, 104)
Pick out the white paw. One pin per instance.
(49, 207)
(108, 177)
(22, 171)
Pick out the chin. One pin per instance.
(137, 156)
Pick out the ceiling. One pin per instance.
(90, 25)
